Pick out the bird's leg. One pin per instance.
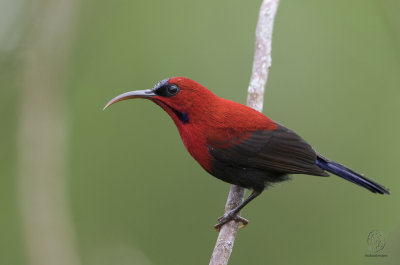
(233, 214)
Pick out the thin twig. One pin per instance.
(262, 63)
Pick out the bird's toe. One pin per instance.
(230, 217)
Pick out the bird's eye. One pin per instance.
(163, 89)
(173, 89)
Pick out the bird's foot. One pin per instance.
(230, 216)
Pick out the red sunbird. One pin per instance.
(238, 144)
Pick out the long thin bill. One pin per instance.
(131, 95)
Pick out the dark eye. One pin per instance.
(163, 89)
(173, 89)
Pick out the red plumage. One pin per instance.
(213, 120)
(238, 144)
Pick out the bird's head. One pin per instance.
(182, 98)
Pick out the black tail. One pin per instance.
(350, 175)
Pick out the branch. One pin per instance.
(262, 54)
(262, 63)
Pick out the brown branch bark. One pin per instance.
(261, 65)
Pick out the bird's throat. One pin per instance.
(182, 116)
(174, 113)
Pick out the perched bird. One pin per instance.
(238, 144)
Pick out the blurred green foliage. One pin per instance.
(135, 192)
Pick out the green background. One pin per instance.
(136, 195)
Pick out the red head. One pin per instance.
(182, 98)
(188, 102)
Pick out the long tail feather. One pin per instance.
(350, 175)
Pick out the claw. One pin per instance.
(230, 217)
(244, 222)
(233, 214)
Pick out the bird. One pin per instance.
(238, 144)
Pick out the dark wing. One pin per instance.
(279, 150)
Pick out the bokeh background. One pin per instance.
(80, 186)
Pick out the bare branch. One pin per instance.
(262, 54)
(227, 234)
(262, 63)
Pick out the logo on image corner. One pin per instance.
(376, 243)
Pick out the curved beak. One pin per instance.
(130, 95)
